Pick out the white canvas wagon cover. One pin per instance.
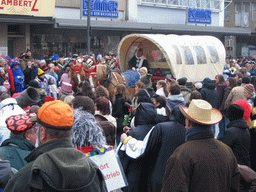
(194, 57)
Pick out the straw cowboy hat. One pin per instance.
(200, 111)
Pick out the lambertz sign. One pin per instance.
(27, 7)
(100, 8)
(199, 15)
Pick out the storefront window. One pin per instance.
(44, 45)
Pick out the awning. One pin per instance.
(20, 19)
(151, 27)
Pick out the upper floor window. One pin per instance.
(227, 11)
(242, 14)
(253, 11)
(200, 4)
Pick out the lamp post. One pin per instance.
(88, 26)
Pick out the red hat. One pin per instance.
(45, 68)
(247, 108)
(19, 123)
(48, 98)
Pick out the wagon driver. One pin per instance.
(138, 60)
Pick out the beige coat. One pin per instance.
(236, 94)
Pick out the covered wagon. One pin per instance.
(194, 57)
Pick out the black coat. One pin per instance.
(210, 95)
(146, 172)
(145, 115)
(238, 138)
(133, 61)
(163, 141)
(119, 110)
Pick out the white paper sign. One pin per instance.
(110, 168)
(3, 51)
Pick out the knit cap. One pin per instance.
(249, 88)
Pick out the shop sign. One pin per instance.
(28, 7)
(199, 15)
(100, 8)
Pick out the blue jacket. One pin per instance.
(174, 100)
(18, 80)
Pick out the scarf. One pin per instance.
(139, 61)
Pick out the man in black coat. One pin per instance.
(162, 141)
(237, 136)
(138, 60)
(209, 93)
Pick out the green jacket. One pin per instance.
(15, 150)
(57, 166)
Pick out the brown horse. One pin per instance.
(77, 72)
(106, 77)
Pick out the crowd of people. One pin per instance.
(168, 136)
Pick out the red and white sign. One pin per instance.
(109, 166)
(27, 7)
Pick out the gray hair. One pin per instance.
(86, 131)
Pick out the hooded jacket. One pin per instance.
(144, 121)
(163, 140)
(174, 100)
(57, 166)
(210, 95)
(15, 150)
(238, 138)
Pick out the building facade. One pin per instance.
(241, 15)
(60, 26)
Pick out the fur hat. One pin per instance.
(234, 112)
